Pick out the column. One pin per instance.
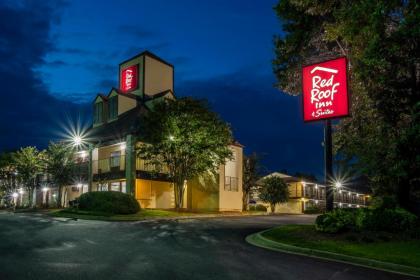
(130, 164)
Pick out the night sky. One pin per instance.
(56, 56)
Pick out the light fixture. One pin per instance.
(44, 189)
(15, 195)
(316, 186)
(123, 146)
(338, 184)
(21, 191)
(79, 185)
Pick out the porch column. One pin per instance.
(130, 164)
(90, 168)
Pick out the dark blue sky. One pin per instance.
(56, 56)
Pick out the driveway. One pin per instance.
(39, 247)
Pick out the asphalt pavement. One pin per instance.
(34, 246)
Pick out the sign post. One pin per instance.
(325, 97)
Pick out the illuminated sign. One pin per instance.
(324, 89)
(129, 78)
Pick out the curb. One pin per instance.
(258, 240)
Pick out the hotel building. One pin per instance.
(111, 164)
(305, 195)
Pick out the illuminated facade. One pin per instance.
(307, 196)
(111, 159)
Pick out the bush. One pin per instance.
(260, 207)
(313, 210)
(251, 207)
(389, 220)
(395, 220)
(337, 221)
(109, 202)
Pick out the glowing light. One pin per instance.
(340, 204)
(338, 184)
(316, 186)
(79, 185)
(171, 137)
(15, 194)
(123, 146)
(316, 201)
(21, 191)
(303, 183)
(45, 189)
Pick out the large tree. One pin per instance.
(186, 137)
(273, 191)
(380, 40)
(8, 176)
(29, 165)
(251, 174)
(60, 164)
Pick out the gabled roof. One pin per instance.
(149, 54)
(102, 96)
(127, 94)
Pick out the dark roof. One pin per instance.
(147, 53)
(118, 91)
(117, 130)
(157, 95)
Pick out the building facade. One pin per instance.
(307, 196)
(110, 163)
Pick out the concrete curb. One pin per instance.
(258, 240)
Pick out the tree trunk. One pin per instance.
(60, 197)
(244, 201)
(179, 195)
(273, 208)
(403, 195)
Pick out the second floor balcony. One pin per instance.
(118, 164)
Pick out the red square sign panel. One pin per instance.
(324, 88)
(129, 78)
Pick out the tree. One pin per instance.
(274, 190)
(60, 164)
(8, 176)
(380, 41)
(251, 174)
(187, 138)
(28, 163)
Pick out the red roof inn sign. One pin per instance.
(324, 88)
(129, 78)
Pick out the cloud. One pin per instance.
(30, 115)
(135, 31)
(263, 119)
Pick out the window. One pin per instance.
(113, 107)
(231, 184)
(98, 112)
(115, 159)
(115, 186)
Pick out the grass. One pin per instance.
(377, 246)
(141, 215)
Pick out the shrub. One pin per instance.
(389, 220)
(337, 221)
(260, 207)
(313, 210)
(251, 207)
(109, 202)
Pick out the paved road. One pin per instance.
(39, 247)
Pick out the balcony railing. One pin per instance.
(112, 164)
(115, 164)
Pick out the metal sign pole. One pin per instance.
(328, 161)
